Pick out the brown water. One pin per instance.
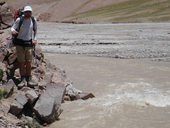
(133, 92)
(129, 93)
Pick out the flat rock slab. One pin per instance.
(47, 108)
(18, 104)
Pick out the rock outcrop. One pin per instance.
(26, 98)
(42, 102)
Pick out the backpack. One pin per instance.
(18, 13)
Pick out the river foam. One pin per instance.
(142, 94)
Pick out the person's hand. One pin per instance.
(14, 33)
(34, 42)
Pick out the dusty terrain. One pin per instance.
(130, 78)
(94, 11)
(58, 10)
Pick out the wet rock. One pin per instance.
(85, 96)
(47, 108)
(71, 91)
(75, 94)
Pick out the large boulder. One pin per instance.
(47, 108)
(18, 104)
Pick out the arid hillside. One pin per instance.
(98, 10)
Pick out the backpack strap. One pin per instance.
(20, 23)
(34, 22)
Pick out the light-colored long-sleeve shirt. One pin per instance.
(26, 30)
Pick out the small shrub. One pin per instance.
(3, 93)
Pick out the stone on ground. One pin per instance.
(18, 104)
(47, 108)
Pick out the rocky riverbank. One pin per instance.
(41, 103)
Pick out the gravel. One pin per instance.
(125, 41)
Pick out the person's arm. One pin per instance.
(35, 34)
(14, 27)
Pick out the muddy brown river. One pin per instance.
(126, 66)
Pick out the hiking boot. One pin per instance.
(30, 82)
(22, 83)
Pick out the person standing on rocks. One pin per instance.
(24, 30)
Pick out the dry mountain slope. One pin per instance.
(128, 11)
(59, 10)
(99, 10)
